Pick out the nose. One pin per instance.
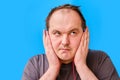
(65, 40)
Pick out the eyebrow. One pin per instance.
(74, 29)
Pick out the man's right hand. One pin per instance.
(54, 63)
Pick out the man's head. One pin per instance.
(66, 6)
(65, 25)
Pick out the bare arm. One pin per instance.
(85, 73)
(54, 63)
(51, 74)
(80, 58)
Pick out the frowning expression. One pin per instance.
(65, 30)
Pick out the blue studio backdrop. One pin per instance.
(22, 23)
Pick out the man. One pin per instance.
(67, 55)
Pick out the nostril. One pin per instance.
(65, 41)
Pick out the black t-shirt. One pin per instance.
(98, 62)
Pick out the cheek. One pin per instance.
(75, 43)
(55, 42)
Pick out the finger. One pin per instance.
(44, 36)
(52, 57)
(50, 50)
(48, 43)
(81, 43)
(86, 40)
(87, 37)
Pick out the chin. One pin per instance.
(65, 60)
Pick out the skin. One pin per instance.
(65, 42)
(65, 32)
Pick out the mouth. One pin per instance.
(64, 50)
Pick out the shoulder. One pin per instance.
(100, 63)
(35, 67)
(38, 58)
(95, 59)
(97, 55)
(40, 62)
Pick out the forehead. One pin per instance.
(65, 18)
(65, 12)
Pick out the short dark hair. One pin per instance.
(66, 6)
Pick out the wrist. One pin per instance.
(50, 74)
(54, 70)
(79, 64)
(83, 70)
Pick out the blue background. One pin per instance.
(22, 23)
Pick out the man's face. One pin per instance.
(65, 31)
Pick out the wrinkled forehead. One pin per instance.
(64, 12)
(65, 19)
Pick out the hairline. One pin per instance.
(69, 7)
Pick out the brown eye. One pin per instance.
(73, 33)
(57, 33)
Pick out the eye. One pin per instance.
(57, 33)
(73, 33)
